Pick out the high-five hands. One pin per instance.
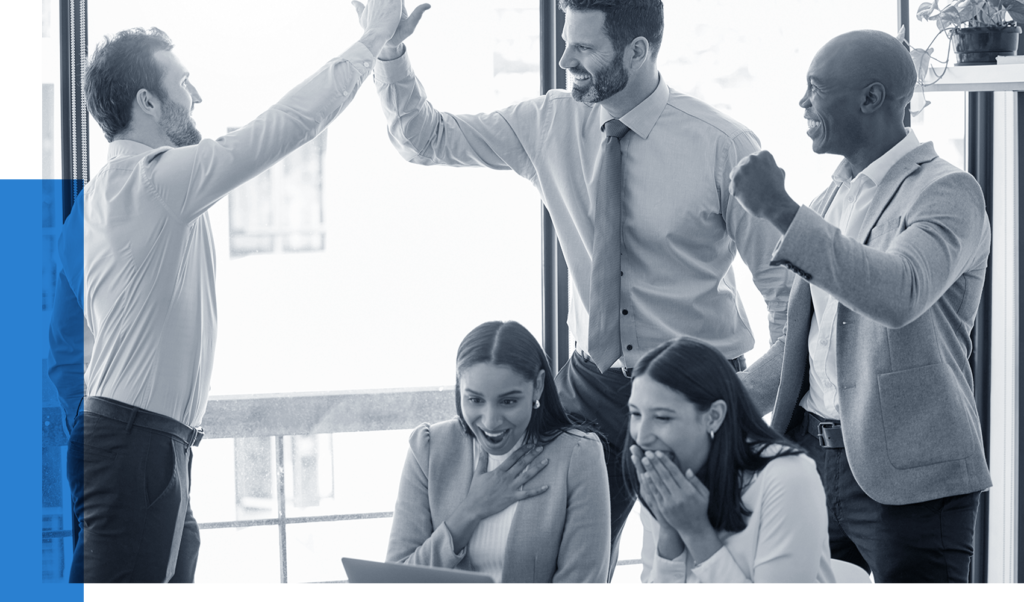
(760, 186)
(406, 25)
(379, 19)
(491, 492)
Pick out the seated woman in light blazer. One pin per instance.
(725, 499)
(512, 487)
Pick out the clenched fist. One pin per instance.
(760, 186)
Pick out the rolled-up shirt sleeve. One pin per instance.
(190, 179)
(755, 237)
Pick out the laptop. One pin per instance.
(368, 571)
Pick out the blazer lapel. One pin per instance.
(891, 183)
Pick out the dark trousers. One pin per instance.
(130, 493)
(603, 399)
(76, 484)
(927, 542)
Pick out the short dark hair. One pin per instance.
(510, 344)
(120, 67)
(703, 375)
(626, 20)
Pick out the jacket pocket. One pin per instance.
(925, 416)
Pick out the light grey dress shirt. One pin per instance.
(681, 228)
(150, 296)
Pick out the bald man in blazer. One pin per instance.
(872, 375)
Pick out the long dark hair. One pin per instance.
(703, 375)
(510, 344)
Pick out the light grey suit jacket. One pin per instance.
(562, 535)
(908, 285)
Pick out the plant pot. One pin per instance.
(981, 45)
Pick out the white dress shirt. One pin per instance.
(681, 229)
(785, 541)
(847, 212)
(149, 261)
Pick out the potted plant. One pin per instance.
(980, 30)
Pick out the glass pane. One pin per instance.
(315, 549)
(753, 66)
(247, 555)
(344, 473)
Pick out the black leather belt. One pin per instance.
(131, 415)
(828, 432)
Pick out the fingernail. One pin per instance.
(689, 473)
(645, 461)
(545, 487)
(544, 461)
(649, 454)
(538, 448)
(659, 454)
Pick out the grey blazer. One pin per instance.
(562, 535)
(908, 287)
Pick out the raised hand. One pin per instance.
(404, 28)
(379, 19)
(760, 186)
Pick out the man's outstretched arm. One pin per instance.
(190, 179)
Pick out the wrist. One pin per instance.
(374, 40)
(390, 52)
(784, 214)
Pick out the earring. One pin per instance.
(712, 435)
(536, 404)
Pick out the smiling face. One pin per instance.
(831, 105)
(663, 419)
(497, 404)
(590, 57)
(180, 96)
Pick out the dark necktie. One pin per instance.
(604, 345)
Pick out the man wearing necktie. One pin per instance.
(635, 177)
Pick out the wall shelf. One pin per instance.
(978, 78)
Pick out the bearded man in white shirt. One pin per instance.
(872, 376)
(635, 177)
(149, 293)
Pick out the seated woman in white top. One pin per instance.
(725, 499)
(512, 487)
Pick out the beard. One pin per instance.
(603, 84)
(178, 125)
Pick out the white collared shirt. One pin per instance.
(847, 212)
(149, 293)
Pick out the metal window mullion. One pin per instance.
(282, 525)
(555, 273)
(74, 113)
(979, 164)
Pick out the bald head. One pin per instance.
(866, 57)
